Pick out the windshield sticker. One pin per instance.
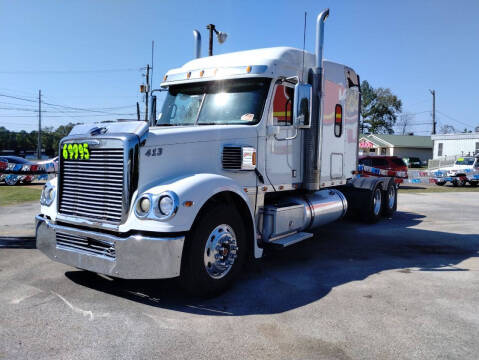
(247, 117)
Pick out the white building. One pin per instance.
(447, 145)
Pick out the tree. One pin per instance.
(447, 129)
(379, 109)
(404, 123)
(24, 141)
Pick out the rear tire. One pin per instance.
(372, 214)
(215, 252)
(473, 183)
(440, 183)
(389, 204)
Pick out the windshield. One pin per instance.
(224, 102)
(465, 161)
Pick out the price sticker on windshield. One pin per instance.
(76, 151)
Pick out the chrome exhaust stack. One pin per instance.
(312, 137)
(197, 37)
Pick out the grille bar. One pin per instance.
(92, 246)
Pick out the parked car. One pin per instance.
(390, 163)
(457, 173)
(14, 166)
(413, 162)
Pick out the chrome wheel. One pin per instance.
(220, 251)
(391, 197)
(11, 180)
(377, 201)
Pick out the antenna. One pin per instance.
(304, 44)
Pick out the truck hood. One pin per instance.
(162, 136)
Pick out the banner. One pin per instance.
(12, 172)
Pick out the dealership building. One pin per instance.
(396, 145)
(447, 145)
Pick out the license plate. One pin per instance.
(76, 151)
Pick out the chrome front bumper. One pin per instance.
(132, 257)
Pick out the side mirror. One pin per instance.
(302, 105)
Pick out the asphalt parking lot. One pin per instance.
(405, 288)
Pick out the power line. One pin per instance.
(453, 119)
(69, 71)
(62, 116)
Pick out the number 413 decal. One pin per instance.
(76, 152)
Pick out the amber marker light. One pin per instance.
(188, 203)
(165, 77)
(188, 74)
(202, 72)
(248, 69)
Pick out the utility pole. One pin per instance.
(147, 91)
(138, 110)
(39, 145)
(433, 92)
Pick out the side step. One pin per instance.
(290, 240)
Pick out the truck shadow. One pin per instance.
(340, 253)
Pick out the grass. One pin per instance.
(436, 189)
(12, 195)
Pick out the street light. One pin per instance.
(220, 35)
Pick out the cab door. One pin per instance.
(283, 143)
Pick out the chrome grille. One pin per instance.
(94, 189)
(232, 158)
(92, 246)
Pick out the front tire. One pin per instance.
(215, 252)
(440, 183)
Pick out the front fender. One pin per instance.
(197, 188)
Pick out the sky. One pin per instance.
(90, 54)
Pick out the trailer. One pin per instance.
(251, 150)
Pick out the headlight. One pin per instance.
(143, 205)
(157, 207)
(48, 195)
(167, 204)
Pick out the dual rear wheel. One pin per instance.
(380, 202)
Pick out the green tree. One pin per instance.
(379, 109)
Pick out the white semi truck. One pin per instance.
(252, 150)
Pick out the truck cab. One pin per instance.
(250, 150)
